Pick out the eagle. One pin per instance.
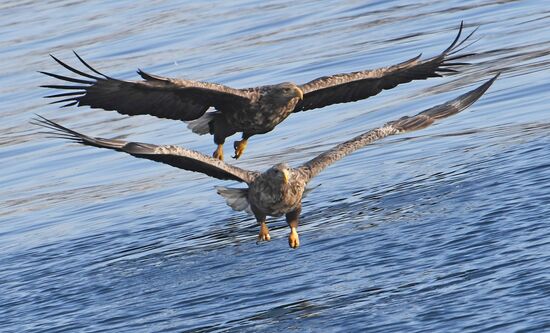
(249, 111)
(279, 190)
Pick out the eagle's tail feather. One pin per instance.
(202, 125)
(236, 198)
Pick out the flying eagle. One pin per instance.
(251, 110)
(279, 190)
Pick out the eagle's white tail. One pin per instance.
(236, 198)
(201, 125)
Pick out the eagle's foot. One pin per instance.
(264, 233)
(239, 146)
(218, 153)
(293, 239)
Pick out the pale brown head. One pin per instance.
(283, 93)
(280, 173)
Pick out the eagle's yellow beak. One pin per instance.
(299, 93)
(286, 175)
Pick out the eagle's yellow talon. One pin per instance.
(293, 239)
(218, 153)
(239, 146)
(264, 233)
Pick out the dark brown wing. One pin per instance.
(350, 87)
(405, 124)
(172, 155)
(155, 95)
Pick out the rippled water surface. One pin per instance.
(445, 229)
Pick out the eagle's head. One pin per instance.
(280, 172)
(290, 90)
(283, 93)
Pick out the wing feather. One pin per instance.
(159, 96)
(172, 155)
(350, 87)
(404, 124)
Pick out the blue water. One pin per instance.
(445, 229)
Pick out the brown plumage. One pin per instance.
(279, 190)
(250, 111)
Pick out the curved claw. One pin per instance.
(239, 146)
(293, 239)
(218, 153)
(264, 234)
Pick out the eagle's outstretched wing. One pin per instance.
(159, 96)
(172, 155)
(350, 87)
(404, 124)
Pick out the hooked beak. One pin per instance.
(285, 176)
(299, 93)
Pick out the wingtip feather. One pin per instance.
(90, 67)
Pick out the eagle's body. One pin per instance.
(271, 195)
(279, 190)
(249, 111)
(268, 107)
